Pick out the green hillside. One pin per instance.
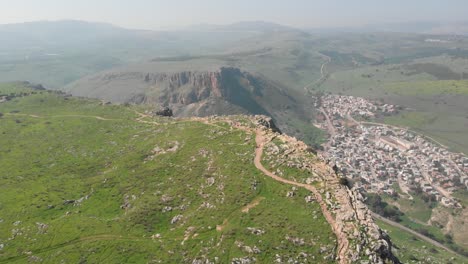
(411, 249)
(86, 183)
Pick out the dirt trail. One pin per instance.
(87, 116)
(253, 204)
(142, 116)
(343, 242)
(84, 116)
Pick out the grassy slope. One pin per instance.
(411, 249)
(65, 153)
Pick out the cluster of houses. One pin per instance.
(378, 158)
(342, 106)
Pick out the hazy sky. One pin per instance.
(157, 14)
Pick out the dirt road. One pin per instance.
(343, 242)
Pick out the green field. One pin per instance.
(443, 128)
(428, 88)
(82, 182)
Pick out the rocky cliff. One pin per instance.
(363, 240)
(199, 91)
(189, 89)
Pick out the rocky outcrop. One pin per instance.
(377, 242)
(266, 122)
(187, 87)
(352, 217)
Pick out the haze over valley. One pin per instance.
(234, 139)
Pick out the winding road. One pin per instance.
(323, 75)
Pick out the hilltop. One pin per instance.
(116, 185)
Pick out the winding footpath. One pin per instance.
(343, 243)
(58, 116)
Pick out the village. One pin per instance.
(380, 158)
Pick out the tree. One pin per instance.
(344, 181)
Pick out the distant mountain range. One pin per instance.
(419, 27)
(74, 32)
(251, 26)
(58, 33)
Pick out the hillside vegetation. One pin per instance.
(83, 182)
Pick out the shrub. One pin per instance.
(344, 181)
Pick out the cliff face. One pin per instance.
(189, 87)
(203, 84)
(200, 92)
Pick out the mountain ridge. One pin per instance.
(182, 189)
(196, 90)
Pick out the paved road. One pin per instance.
(322, 73)
(425, 238)
(330, 125)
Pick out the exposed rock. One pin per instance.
(127, 205)
(166, 198)
(267, 123)
(309, 199)
(244, 260)
(42, 228)
(176, 219)
(167, 209)
(210, 181)
(352, 216)
(296, 240)
(68, 202)
(255, 231)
